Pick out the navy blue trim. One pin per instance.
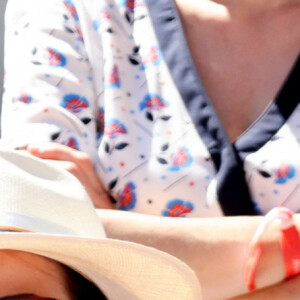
(176, 53)
(277, 114)
(232, 189)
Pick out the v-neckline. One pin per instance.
(277, 113)
(178, 57)
(227, 157)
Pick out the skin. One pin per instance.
(191, 240)
(228, 39)
(77, 163)
(215, 248)
(25, 273)
(289, 289)
(241, 62)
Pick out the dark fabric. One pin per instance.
(232, 189)
(277, 114)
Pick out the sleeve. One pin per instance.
(49, 93)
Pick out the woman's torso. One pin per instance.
(161, 147)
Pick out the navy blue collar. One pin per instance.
(232, 189)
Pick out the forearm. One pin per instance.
(289, 289)
(216, 249)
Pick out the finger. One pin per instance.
(61, 152)
(99, 198)
(70, 167)
(76, 162)
(53, 151)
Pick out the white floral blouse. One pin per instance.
(115, 79)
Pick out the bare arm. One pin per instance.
(289, 289)
(216, 248)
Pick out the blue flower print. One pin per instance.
(103, 16)
(114, 128)
(181, 159)
(178, 208)
(130, 5)
(113, 80)
(74, 102)
(72, 10)
(72, 143)
(284, 172)
(153, 102)
(25, 98)
(152, 58)
(54, 58)
(127, 197)
(100, 122)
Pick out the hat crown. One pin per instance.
(38, 197)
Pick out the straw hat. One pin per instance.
(45, 210)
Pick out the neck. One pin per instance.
(257, 4)
(225, 10)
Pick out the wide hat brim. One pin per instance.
(122, 270)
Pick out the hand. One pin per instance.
(77, 163)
